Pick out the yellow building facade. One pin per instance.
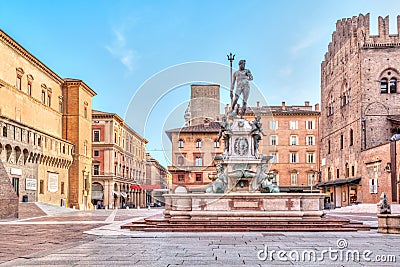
(40, 143)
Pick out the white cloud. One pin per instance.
(120, 49)
(311, 38)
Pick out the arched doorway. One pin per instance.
(98, 195)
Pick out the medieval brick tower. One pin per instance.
(204, 104)
(360, 100)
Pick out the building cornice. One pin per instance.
(6, 39)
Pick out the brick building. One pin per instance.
(43, 129)
(195, 145)
(193, 150)
(292, 139)
(119, 162)
(359, 97)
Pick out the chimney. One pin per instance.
(306, 103)
(317, 107)
(283, 105)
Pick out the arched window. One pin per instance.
(345, 95)
(330, 104)
(384, 86)
(393, 85)
(388, 81)
(198, 143)
(180, 143)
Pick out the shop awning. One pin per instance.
(340, 182)
(136, 187)
(145, 187)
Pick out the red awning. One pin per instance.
(154, 186)
(145, 187)
(136, 186)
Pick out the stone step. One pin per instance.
(245, 229)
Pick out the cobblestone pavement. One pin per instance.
(92, 243)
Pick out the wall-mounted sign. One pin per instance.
(30, 184)
(52, 182)
(15, 171)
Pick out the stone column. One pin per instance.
(106, 193)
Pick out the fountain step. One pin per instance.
(186, 225)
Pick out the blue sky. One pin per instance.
(116, 46)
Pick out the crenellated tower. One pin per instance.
(359, 95)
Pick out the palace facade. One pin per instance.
(119, 162)
(44, 133)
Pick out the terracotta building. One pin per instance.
(292, 140)
(359, 96)
(158, 180)
(193, 150)
(119, 162)
(195, 145)
(43, 125)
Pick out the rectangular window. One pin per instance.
(29, 91)
(274, 157)
(310, 140)
(273, 125)
(181, 160)
(329, 146)
(41, 187)
(18, 82)
(352, 171)
(293, 140)
(181, 178)
(180, 143)
(310, 158)
(310, 125)
(373, 186)
(293, 178)
(337, 173)
(274, 140)
(15, 183)
(96, 153)
(293, 157)
(198, 161)
(96, 169)
(96, 135)
(43, 97)
(310, 179)
(62, 188)
(341, 141)
(293, 125)
(199, 177)
(61, 107)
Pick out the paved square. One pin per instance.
(97, 240)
